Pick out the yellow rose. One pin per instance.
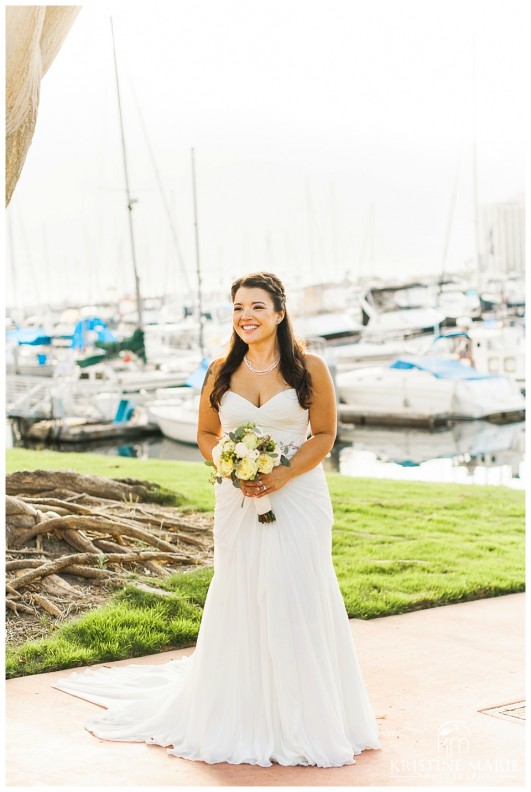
(225, 467)
(246, 469)
(265, 463)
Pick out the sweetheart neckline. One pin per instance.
(286, 390)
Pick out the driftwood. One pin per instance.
(18, 606)
(87, 572)
(94, 531)
(46, 604)
(48, 568)
(47, 481)
(79, 541)
(100, 524)
(60, 506)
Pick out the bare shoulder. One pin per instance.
(316, 365)
(215, 365)
(212, 371)
(323, 402)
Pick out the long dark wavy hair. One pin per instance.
(291, 366)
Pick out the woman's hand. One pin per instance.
(266, 483)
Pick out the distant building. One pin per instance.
(502, 236)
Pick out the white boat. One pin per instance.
(424, 386)
(374, 352)
(495, 348)
(404, 308)
(454, 297)
(177, 420)
(92, 394)
(327, 325)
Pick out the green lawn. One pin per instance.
(397, 547)
(189, 478)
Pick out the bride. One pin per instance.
(274, 676)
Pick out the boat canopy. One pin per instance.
(439, 367)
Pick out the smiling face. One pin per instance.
(254, 315)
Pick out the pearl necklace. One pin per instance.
(262, 371)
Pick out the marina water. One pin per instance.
(469, 452)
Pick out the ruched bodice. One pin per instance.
(281, 416)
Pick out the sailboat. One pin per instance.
(95, 386)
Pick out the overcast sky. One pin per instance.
(303, 114)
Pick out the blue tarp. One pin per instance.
(455, 334)
(197, 377)
(439, 367)
(79, 340)
(36, 336)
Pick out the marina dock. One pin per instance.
(76, 430)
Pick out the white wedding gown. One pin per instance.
(274, 676)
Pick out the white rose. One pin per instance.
(254, 454)
(265, 463)
(250, 440)
(225, 467)
(247, 469)
(241, 450)
(227, 443)
(216, 454)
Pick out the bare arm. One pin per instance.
(323, 419)
(209, 425)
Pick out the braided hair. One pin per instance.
(291, 366)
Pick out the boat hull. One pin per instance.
(176, 422)
(406, 392)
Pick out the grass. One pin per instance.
(132, 624)
(396, 546)
(401, 546)
(187, 478)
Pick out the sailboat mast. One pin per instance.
(130, 201)
(198, 267)
(475, 171)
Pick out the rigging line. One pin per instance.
(333, 224)
(160, 185)
(367, 243)
(199, 292)
(310, 221)
(475, 165)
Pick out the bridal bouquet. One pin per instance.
(244, 454)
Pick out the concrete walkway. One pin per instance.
(429, 675)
